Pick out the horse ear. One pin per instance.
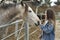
(22, 3)
(26, 7)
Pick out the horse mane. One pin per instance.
(10, 8)
(6, 6)
(9, 5)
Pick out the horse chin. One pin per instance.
(33, 23)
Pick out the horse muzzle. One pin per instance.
(38, 23)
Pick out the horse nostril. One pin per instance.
(38, 23)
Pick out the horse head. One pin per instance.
(28, 12)
(18, 10)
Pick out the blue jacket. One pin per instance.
(48, 31)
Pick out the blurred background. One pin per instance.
(39, 7)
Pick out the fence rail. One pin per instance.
(16, 30)
(11, 23)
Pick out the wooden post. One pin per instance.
(37, 9)
(26, 26)
(16, 28)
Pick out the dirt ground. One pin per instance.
(34, 36)
(57, 31)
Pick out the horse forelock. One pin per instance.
(25, 14)
(26, 7)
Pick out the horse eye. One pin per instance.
(30, 11)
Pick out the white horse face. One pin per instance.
(32, 17)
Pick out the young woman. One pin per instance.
(48, 27)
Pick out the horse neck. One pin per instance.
(7, 15)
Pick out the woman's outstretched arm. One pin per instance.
(47, 29)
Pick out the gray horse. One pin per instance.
(11, 12)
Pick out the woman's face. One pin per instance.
(45, 16)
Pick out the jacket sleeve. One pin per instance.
(47, 29)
